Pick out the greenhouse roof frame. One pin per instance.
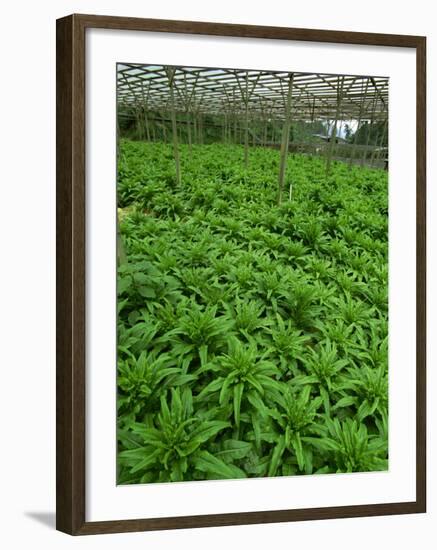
(217, 91)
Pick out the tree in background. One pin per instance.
(372, 133)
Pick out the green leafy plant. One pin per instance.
(350, 446)
(294, 416)
(171, 442)
(323, 366)
(251, 338)
(240, 375)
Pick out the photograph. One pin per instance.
(252, 273)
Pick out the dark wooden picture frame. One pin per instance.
(71, 283)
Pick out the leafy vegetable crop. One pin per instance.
(252, 337)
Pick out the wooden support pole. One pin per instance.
(118, 135)
(313, 108)
(224, 125)
(245, 95)
(121, 250)
(246, 124)
(196, 140)
(285, 140)
(265, 132)
(235, 127)
(230, 122)
(188, 122)
(252, 132)
(188, 96)
(200, 122)
(171, 77)
(360, 114)
(146, 121)
(369, 128)
(340, 82)
(145, 104)
(138, 126)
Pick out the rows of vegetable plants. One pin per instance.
(252, 336)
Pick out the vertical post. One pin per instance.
(138, 128)
(188, 101)
(338, 148)
(229, 127)
(235, 117)
(331, 147)
(263, 124)
(171, 78)
(285, 139)
(273, 137)
(188, 123)
(369, 128)
(225, 123)
(196, 140)
(246, 123)
(265, 132)
(146, 120)
(145, 104)
(200, 127)
(118, 135)
(254, 128)
(121, 249)
(245, 95)
(360, 114)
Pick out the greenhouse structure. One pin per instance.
(258, 108)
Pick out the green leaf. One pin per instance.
(182, 379)
(212, 387)
(276, 456)
(256, 431)
(187, 401)
(234, 450)
(303, 380)
(147, 292)
(326, 400)
(308, 457)
(238, 392)
(254, 382)
(209, 429)
(212, 465)
(297, 446)
(203, 355)
(257, 403)
(323, 470)
(178, 469)
(225, 389)
(128, 439)
(346, 401)
(366, 409)
(146, 462)
(323, 444)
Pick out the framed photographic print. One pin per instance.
(240, 274)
